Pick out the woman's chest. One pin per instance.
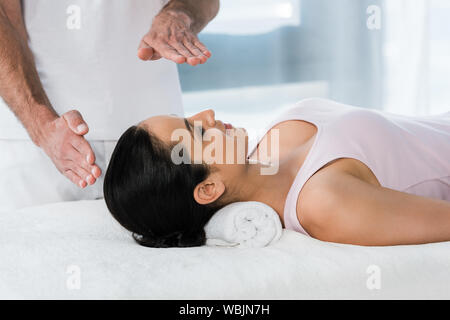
(290, 142)
(285, 141)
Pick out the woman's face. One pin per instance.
(207, 140)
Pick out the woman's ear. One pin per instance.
(209, 190)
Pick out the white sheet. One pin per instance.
(39, 245)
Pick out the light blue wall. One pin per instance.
(332, 44)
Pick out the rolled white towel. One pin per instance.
(243, 224)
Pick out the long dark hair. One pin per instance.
(151, 196)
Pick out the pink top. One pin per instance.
(409, 154)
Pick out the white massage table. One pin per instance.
(43, 248)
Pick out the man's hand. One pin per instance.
(21, 89)
(171, 37)
(72, 155)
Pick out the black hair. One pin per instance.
(151, 196)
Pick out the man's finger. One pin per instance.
(145, 52)
(76, 122)
(80, 160)
(182, 49)
(190, 58)
(202, 47)
(83, 173)
(195, 51)
(85, 149)
(156, 56)
(72, 176)
(170, 53)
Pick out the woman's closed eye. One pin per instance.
(200, 129)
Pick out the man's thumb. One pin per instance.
(145, 52)
(76, 122)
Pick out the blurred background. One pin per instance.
(391, 55)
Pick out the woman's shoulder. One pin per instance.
(320, 192)
(321, 104)
(329, 174)
(320, 111)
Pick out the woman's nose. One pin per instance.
(210, 117)
(207, 117)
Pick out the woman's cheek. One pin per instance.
(213, 149)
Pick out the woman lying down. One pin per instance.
(334, 172)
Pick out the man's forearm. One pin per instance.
(200, 12)
(20, 86)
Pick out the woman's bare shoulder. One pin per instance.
(319, 189)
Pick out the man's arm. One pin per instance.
(199, 12)
(20, 87)
(173, 34)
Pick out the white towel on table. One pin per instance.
(244, 224)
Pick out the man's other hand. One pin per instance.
(171, 37)
(63, 141)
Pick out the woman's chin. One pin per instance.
(243, 130)
(236, 131)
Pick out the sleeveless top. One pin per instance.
(408, 154)
(86, 56)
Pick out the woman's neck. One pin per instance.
(271, 189)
